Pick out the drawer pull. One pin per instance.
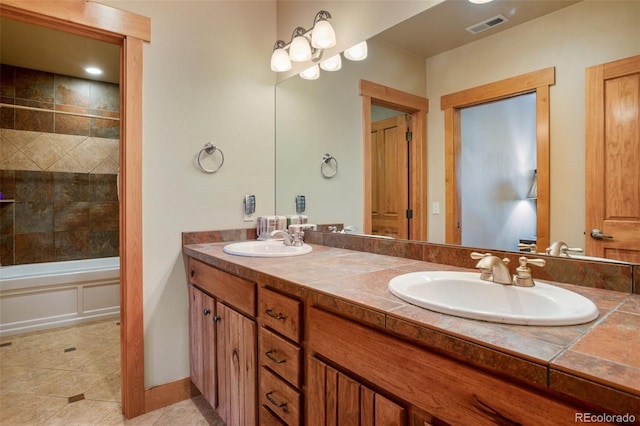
(279, 317)
(277, 404)
(193, 273)
(270, 355)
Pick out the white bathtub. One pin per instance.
(46, 295)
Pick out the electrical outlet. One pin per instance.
(249, 207)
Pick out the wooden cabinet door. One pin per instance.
(237, 383)
(334, 398)
(202, 338)
(612, 158)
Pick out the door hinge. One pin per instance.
(409, 214)
(409, 136)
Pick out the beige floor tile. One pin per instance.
(82, 413)
(37, 376)
(17, 409)
(106, 389)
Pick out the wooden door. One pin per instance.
(389, 178)
(202, 338)
(237, 367)
(613, 160)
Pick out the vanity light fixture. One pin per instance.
(480, 1)
(357, 53)
(533, 189)
(334, 63)
(305, 44)
(312, 73)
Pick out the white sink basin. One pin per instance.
(464, 294)
(268, 248)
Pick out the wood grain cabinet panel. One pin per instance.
(280, 313)
(279, 397)
(280, 356)
(223, 342)
(334, 398)
(202, 337)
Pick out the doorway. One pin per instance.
(537, 82)
(415, 108)
(129, 31)
(497, 173)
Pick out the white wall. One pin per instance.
(206, 79)
(585, 34)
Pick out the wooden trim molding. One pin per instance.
(538, 82)
(130, 31)
(418, 107)
(169, 393)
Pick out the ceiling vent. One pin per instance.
(485, 25)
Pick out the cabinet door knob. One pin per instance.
(277, 404)
(193, 273)
(216, 318)
(272, 314)
(206, 312)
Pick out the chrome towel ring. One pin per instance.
(328, 166)
(210, 149)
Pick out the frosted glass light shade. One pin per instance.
(357, 52)
(300, 51)
(280, 60)
(312, 73)
(323, 35)
(333, 63)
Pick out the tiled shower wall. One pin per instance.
(57, 170)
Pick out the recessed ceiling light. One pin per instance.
(93, 70)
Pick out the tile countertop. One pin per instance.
(597, 362)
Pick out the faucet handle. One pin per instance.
(476, 255)
(523, 277)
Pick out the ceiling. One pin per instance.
(433, 31)
(442, 27)
(44, 49)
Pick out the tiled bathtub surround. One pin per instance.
(39, 151)
(97, 103)
(58, 216)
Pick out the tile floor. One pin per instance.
(71, 376)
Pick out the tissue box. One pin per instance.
(296, 219)
(268, 224)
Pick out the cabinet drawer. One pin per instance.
(279, 397)
(235, 291)
(280, 313)
(267, 418)
(280, 356)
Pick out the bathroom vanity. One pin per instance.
(319, 339)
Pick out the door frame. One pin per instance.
(536, 81)
(130, 31)
(417, 107)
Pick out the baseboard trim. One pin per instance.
(168, 393)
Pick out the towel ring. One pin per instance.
(325, 166)
(210, 149)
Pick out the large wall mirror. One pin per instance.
(426, 57)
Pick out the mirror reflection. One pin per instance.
(325, 115)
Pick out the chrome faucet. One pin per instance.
(492, 268)
(289, 240)
(560, 248)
